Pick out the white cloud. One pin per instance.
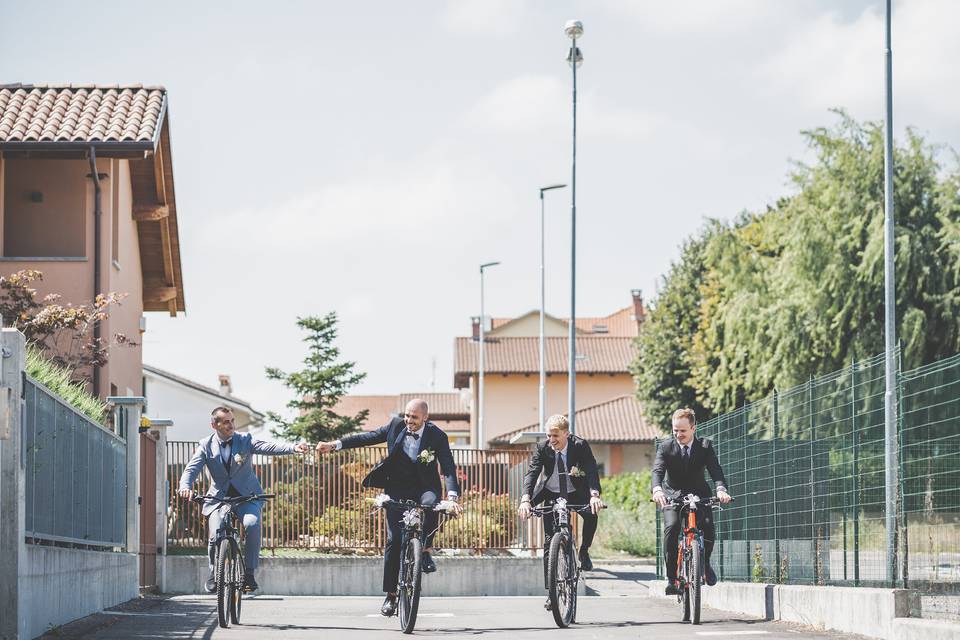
(533, 103)
(483, 17)
(705, 16)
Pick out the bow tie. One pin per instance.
(411, 434)
(227, 443)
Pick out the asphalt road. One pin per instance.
(294, 618)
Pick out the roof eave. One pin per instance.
(77, 148)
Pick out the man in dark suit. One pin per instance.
(678, 470)
(563, 466)
(409, 472)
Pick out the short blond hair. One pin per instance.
(557, 422)
(687, 413)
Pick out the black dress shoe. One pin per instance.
(586, 564)
(427, 563)
(249, 583)
(548, 605)
(672, 589)
(711, 576)
(389, 607)
(210, 585)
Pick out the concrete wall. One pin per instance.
(60, 585)
(363, 576)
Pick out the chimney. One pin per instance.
(225, 387)
(476, 327)
(639, 313)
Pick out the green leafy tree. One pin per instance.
(318, 387)
(662, 367)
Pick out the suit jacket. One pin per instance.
(675, 477)
(387, 473)
(240, 476)
(544, 461)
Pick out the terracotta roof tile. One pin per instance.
(602, 354)
(80, 113)
(617, 420)
(621, 323)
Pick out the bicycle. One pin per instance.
(411, 552)
(690, 560)
(228, 565)
(563, 567)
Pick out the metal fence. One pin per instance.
(322, 505)
(76, 474)
(807, 468)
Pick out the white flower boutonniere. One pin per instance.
(575, 472)
(426, 456)
(238, 459)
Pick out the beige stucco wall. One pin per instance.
(53, 227)
(511, 402)
(634, 457)
(529, 326)
(73, 279)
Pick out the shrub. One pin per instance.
(60, 381)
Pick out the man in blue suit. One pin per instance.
(415, 447)
(228, 458)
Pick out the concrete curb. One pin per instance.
(363, 576)
(878, 613)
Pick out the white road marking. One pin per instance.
(419, 615)
(135, 613)
(732, 633)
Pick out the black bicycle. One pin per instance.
(228, 566)
(563, 567)
(411, 553)
(690, 560)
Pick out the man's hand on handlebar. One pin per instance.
(660, 498)
(186, 494)
(524, 509)
(724, 497)
(596, 504)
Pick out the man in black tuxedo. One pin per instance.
(409, 472)
(563, 466)
(678, 470)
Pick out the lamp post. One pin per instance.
(573, 29)
(479, 443)
(543, 354)
(890, 327)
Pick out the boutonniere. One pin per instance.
(575, 472)
(238, 459)
(426, 456)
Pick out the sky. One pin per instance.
(366, 157)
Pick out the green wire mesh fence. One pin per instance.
(807, 468)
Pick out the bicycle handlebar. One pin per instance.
(443, 506)
(232, 500)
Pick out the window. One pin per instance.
(44, 208)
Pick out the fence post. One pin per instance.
(163, 497)
(131, 431)
(901, 507)
(13, 549)
(776, 521)
(855, 439)
(813, 491)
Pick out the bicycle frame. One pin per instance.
(689, 533)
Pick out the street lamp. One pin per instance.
(543, 355)
(573, 29)
(479, 443)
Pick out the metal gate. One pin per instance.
(148, 511)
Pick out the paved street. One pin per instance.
(620, 610)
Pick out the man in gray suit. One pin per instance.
(228, 457)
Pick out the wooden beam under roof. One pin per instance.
(150, 212)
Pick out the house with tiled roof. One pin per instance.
(605, 349)
(448, 410)
(620, 436)
(87, 197)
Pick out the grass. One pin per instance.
(60, 381)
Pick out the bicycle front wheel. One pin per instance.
(237, 591)
(563, 589)
(683, 575)
(224, 578)
(409, 587)
(696, 579)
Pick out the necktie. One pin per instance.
(686, 456)
(562, 475)
(411, 434)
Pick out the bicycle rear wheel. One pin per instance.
(224, 579)
(410, 580)
(696, 578)
(237, 591)
(562, 588)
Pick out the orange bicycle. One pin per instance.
(690, 561)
